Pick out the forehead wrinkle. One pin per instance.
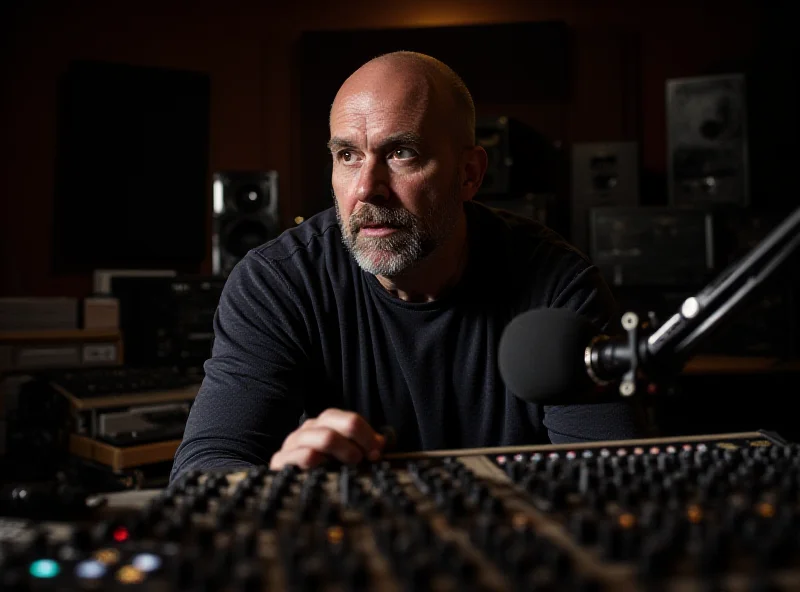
(381, 103)
(366, 118)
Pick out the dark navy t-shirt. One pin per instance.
(301, 328)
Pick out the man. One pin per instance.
(388, 308)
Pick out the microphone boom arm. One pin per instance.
(667, 348)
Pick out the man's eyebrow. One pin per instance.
(337, 143)
(400, 138)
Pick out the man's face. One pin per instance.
(395, 178)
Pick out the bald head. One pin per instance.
(421, 78)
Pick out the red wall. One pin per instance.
(624, 51)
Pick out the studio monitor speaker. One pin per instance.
(245, 215)
(707, 141)
(603, 174)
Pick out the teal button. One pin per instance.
(44, 568)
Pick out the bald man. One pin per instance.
(386, 310)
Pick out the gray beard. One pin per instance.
(414, 239)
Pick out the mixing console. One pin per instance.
(705, 513)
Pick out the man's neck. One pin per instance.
(437, 274)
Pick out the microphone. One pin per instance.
(554, 356)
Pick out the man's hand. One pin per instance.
(343, 435)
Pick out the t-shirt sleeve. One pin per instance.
(588, 294)
(251, 397)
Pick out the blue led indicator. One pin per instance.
(44, 568)
(146, 562)
(90, 569)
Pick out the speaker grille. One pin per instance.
(245, 215)
(707, 124)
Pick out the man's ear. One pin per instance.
(474, 164)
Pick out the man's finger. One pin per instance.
(308, 423)
(304, 458)
(354, 427)
(328, 441)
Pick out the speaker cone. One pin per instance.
(246, 235)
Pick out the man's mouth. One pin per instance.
(377, 229)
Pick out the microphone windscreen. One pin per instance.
(541, 355)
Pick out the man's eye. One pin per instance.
(403, 153)
(345, 155)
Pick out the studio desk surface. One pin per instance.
(714, 512)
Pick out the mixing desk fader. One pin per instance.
(691, 514)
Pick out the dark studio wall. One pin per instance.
(621, 53)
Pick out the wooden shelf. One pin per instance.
(59, 335)
(122, 458)
(111, 400)
(739, 365)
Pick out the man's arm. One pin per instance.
(252, 394)
(589, 295)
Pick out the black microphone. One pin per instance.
(555, 356)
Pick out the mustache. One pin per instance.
(373, 215)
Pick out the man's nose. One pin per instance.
(373, 181)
